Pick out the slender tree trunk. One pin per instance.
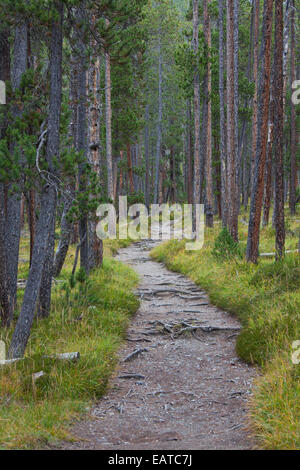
(44, 302)
(231, 123)
(238, 162)
(96, 245)
(286, 49)
(109, 158)
(262, 135)
(147, 158)
(256, 4)
(246, 173)
(13, 213)
(81, 144)
(269, 161)
(121, 173)
(293, 174)
(48, 198)
(130, 169)
(208, 124)
(197, 156)
(222, 116)
(5, 313)
(189, 154)
(69, 230)
(159, 124)
(64, 241)
(173, 175)
(278, 94)
(5, 304)
(243, 140)
(31, 219)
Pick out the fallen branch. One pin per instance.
(176, 329)
(6, 362)
(134, 354)
(75, 356)
(274, 254)
(191, 297)
(207, 329)
(37, 376)
(164, 291)
(139, 340)
(132, 376)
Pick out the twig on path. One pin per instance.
(134, 354)
(132, 376)
(137, 340)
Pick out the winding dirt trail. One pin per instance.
(184, 386)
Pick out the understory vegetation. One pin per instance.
(266, 298)
(89, 316)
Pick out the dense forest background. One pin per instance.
(163, 101)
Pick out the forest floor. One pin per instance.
(184, 386)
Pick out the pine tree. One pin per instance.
(262, 135)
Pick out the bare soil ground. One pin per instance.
(184, 386)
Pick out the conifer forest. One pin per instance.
(149, 227)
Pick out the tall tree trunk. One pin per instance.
(173, 175)
(243, 153)
(293, 174)
(108, 108)
(44, 302)
(262, 135)
(231, 123)
(222, 116)
(65, 239)
(269, 161)
(189, 158)
(236, 108)
(13, 214)
(5, 313)
(159, 123)
(147, 158)
(82, 137)
(68, 229)
(121, 174)
(208, 159)
(256, 5)
(48, 198)
(197, 157)
(96, 245)
(31, 219)
(278, 104)
(286, 49)
(5, 305)
(130, 169)
(246, 173)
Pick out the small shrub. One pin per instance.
(225, 247)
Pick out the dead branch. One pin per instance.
(134, 354)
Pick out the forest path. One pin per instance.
(182, 389)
